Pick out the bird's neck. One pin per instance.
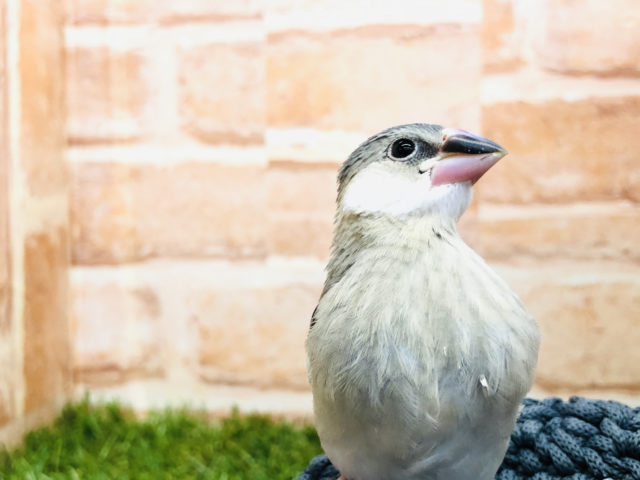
(386, 237)
(362, 231)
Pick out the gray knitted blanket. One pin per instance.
(554, 440)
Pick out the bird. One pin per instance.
(418, 353)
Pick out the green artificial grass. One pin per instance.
(107, 442)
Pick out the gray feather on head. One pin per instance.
(375, 148)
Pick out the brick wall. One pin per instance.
(561, 88)
(35, 373)
(204, 138)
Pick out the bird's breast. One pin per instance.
(419, 326)
(418, 356)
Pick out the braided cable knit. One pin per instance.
(555, 440)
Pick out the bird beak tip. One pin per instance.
(464, 157)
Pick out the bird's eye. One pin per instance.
(402, 148)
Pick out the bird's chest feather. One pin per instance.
(416, 328)
(414, 352)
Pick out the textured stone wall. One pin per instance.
(35, 353)
(561, 88)
(204, 138)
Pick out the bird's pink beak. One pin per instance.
(463, 157)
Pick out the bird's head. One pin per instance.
(415, 170)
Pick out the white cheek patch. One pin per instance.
(379, 190)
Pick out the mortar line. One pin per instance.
(16, 192)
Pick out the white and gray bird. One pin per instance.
(418, 354)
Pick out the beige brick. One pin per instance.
(599, 38)
(103, 219)
(45, 350)
(587, 313)
(537, 86)
(331, 14)
(602, 317)
(42, 112)
(311, 148)
(265, 345)
(224, 322)
(563, 150)
(293, 188)
(300, 234)
(7, 354)
(217, 400)
(115, 332)
(7, 378)
(221, 87)
(165, 11)
(7, 357)
(585, 230)
(200, 10)
(3, 68)
(5, 244)
(107, 91)
(209, 209)
(500, 38)
(46, 335)
(5, 407)
(301, 208)
(130, 212)
(590, 330)
(111, 11)
(400, 77)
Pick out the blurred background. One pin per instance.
(167, 184)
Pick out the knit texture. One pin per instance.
(554, 440)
